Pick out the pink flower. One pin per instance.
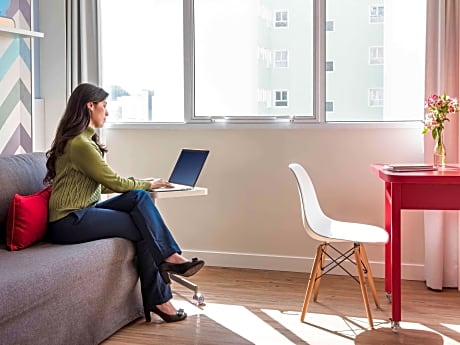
(439, 108)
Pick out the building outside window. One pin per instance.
(329, 106)
(153, 61)
(349, 85)
(329, 66)
(225, 67)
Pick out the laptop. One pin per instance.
(186, 171)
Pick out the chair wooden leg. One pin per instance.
(370, 278)
(311, 282)
(318, 280)
(362, 284)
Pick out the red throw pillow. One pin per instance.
(27, 219)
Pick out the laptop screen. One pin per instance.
(188, 167)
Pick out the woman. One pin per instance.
(78, 175)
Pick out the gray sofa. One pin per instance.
(54, 294)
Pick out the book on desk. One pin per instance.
(406, 167)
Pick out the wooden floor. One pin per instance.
(263, 307)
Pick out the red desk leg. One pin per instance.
(388, 244)
(396, 254)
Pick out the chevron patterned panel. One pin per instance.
(20, 11)
(15, 82)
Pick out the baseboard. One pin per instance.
(292, 263)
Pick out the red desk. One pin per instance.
(424, 190)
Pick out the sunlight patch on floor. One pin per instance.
(319, 329)
(453, 327)
(333, 329)
(412, 325)
(239, 320)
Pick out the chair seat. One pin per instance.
(339, 231)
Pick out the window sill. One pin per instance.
(266, 125)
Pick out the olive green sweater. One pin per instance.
(82, 175)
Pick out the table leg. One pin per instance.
(396, 253)
(388, 244)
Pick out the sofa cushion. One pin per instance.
(22, 174)
(27, 219)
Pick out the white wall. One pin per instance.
(251, 217)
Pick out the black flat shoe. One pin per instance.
(185, 269)
(178, 316)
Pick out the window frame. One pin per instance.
(289, 121)
(319, 49)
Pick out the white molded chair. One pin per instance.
(326, 230)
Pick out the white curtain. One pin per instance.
(442, 249)
(82, 45)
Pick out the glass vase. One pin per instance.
(439, 151)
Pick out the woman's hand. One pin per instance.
(159, 183)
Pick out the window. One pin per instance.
(144, 76)
(376, 56)
(375, 97)
(232, 46)
(281, 59)
(281, 19)
(281, 98)
(376, 14)
(178, 61)
(364, 65)
(329, 25)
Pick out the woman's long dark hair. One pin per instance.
(75, 120)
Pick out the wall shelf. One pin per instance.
(20, 32)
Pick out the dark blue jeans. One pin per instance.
(131, 215)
